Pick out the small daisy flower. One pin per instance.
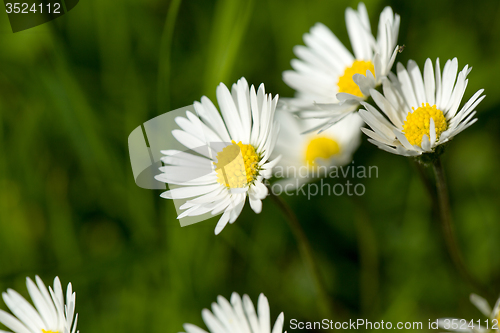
(473, 326)
(329, 81)
(233, 154)
(238, 316)
(50, 313)
(306, 157)
(420, 113)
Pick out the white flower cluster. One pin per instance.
(416, 113)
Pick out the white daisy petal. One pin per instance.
(321, 76)
(358, 35)
(403, 140)
(235, 149)
(238, 316)
(417, 82)
(426, 143)
(244, 107)
(432, 132)
(48, 301)
(407, 86)
(224, 219)
(278, 325)
(240, 313)
(226, 318)
(456, 96)
(236, 211)
(41, 305)
(321, 31)
(363, 83)
(448, 81)
(496, 310)
(190, 328)
(230, 113)
(429, 82)
(428, 110)
(208, 113)
(264, 316)
(251, 314)
(190, 141)
(481, 304)
(188, 192)
(12, 323)
(213, 324)
(377, 137)
(387, 108)
(439, 87)
(22, 309)
(222, 205)
(52, 313)
(255, 204)
(331, 62)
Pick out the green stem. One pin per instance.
(368, 258)
(306, 254)
(447, 226)
(164, 64)
(429, 186)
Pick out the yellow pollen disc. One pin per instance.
(346, 84)
(237, 165)
(417, 123)
(321, 147)
(44, 331)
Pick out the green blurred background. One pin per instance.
(73, 89)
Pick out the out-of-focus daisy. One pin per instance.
(475, 326)
(238, 316)
(420, 113)
(50, 313)
(329, 81)
(306, 157)
(233, 153)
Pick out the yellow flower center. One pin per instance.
(417, 123)
(346, 83)
(321, 147)
(44, 331)
(237, 165)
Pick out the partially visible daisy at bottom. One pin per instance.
(238, 316)
(420, 112)
(475, 326)
(50, 313)
(307, 157)
(233, 154)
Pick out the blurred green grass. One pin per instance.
(72, 91)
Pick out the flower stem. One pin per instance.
(447, 226)
(424, 177)
(306, 254)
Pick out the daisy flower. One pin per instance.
(420, 113)
(329, 81)
(306, 157)
(238, 316)
(473, 326)
(233, 154)
(50, 313)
